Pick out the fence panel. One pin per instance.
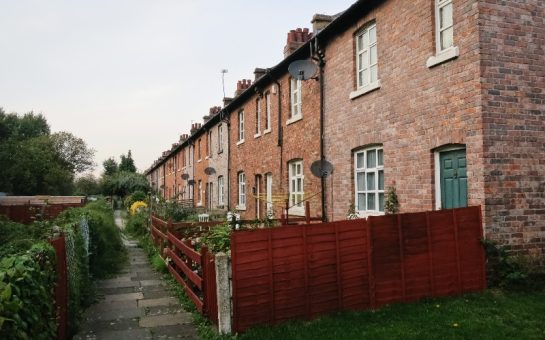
(305, 271)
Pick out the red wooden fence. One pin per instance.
(305, 271)
(28, 213)
(195, 271)
(61, 288)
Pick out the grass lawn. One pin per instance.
(493, 314)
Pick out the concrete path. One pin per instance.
(136, 305)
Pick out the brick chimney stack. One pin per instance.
(320, 21)
(227, 101)
(193, 128)
(242, 85)
(214, 110)
(258, 73)
(296, 38)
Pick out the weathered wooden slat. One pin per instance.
(185, 249)
(196, 279)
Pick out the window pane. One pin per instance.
(364, 59)
(360, 78)
(371, 202)
(371, 159)
(380, 154)
(381, 202)
(361, 202)
(373, 55)
(299, 186)
(361, 181)
(381, 180)
(372, 35)
(374, 73)
(446, 16)
(371, 181)
(360, 42)
(447, 38)
(360, 158)
(365, 77)
(360, 61)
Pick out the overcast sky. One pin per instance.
(134, 74)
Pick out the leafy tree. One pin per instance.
(110, 166)
(73, 152)
(124, 183)
(127, 163)
(87, 185)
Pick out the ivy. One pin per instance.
(26, 294)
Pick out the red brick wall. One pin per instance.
(262, 155)
(416, 110)
(512, 38)
(200, 165)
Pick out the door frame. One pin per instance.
(437, 163)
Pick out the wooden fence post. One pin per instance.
(307, 211)
(206, 295)
(223, 292)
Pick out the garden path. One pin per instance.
(136, 304)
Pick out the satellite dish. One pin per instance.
(209, 171)
(321, 168)
(185, 176)
(191, 182)
(302, 69)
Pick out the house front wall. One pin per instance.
(218, 160)
(513, 73)
(415, 112)
(260, 155)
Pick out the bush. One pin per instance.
(173, 210)
(26, 294)
(137, 224)
(218, 239)
(16, 238)
(134, 197)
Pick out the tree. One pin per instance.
(127, 163)
(87, 185)
(73, 152)
(110, 167)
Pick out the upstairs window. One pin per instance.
(267, 112)
(241, 126)
(209, 144)
(367, 56)
(220, 138)
(199, 149)
(444, 24)
(295, 99)
(258, 117)
(369, 181)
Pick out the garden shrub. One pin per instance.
(16, 238)
(173, 210)
(218, 239)
(27, 294)
(134, 197)
(137, 224)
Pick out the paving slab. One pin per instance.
(159, 310)
(145, 283)
(117, 305)
(122, 290)
(165, 320)
(115, 314)
(118, 284)
(110, 325)
(123, 297)
(174, 332)
(128, 334)
(167, 301)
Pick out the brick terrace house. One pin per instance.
(445, 101)
(274, 129)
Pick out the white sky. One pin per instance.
(133, 74)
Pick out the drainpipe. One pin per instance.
(280, 131)
(224, 117)
(321, 65)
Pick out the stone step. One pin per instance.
(165, 320)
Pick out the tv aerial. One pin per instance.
(209, 171)
(302, 69)
(321, 168)
(185, 176)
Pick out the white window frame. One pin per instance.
(267, 113)
(220, 138)
(241, 191)
(450, 52)
(200, 193)
(366, 43)
(365, 170)
(257, 118)
(209, 145)
(296, 191)
(240, 127)
(268, 190)
(296, 101)
(221, 191)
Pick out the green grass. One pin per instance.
(493, 314)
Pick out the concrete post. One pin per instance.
(224, 293)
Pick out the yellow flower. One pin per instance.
(455, 325)
(136, 206)
(437, 306)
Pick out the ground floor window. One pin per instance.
(369, 180)
(241, 190)
(221, 191)
(296, 188)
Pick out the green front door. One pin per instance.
(453, 179)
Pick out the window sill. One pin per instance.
(365, 214)
(443, 56)
(199, 160)
(296, 211)
(240, 207)
(366, 89)
(240, 142)
(207, 157)
(267, 131)
(257, 135)
(294, 119)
